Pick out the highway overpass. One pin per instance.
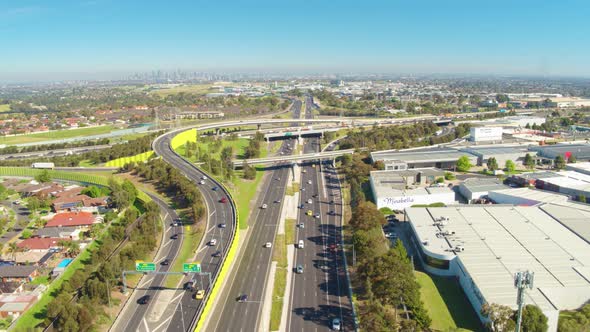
(306, 156)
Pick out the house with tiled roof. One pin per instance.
(72, 219)
(18, 273)
(40, 243)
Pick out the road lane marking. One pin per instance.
(146, 325)
(204, 247)
(212, 213)
(162, 324)
(146, 280)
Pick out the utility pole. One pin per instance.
(522, 280)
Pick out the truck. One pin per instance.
(43, 165)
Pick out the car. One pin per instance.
(223, 200)
(144, 299)
(301, 206)
(215, 188)
(243, 298)
(268, 245)
(203, 177)
(301, 225)
(222, 225)
(332, 213)
(189, 285)
(202, 182)
(313, 165)
(309, 212)
(302, 189)
(278, 179)
(217, 253)
(174, 237)
(336, 324)
(308, 181)
(264, 206)
(278, 201)
(213, 242)
(200, 294)
(314, 195)
(309, 201)
(317, 216)
(300, 244)
(304, 171)
(165, 262)
(299, 269)
(331, 202)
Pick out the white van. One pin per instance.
(300, 244)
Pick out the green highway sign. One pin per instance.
(191, 267)
(145, 267)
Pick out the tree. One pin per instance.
(582, 198)
(440, 180)
(572, 159)
(510, 166)
(386, 211)
(492, 164)
(533, 319)
(559, 162)
(26, 234)
(249, 172)
(500, 317)
(43, 177)
(529, 161)
(13, 249)
(33, 204)
(449, 176)
(463, 164)
(366, 216)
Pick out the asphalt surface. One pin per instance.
(252, 273)
(320, 293)
(132, 318)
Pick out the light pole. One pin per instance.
(522, 280)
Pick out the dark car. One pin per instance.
(174, 237)
(188, 285)
(332, 213)
(214, 188)
(165, 262)
(243, 298)
(144, 299)
(217, 254)
(301, 206)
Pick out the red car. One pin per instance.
(223, 200)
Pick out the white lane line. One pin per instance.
(204, 247)
(146, 280)
(212, 213)
(210, 229)
(146, 325)
(165, 216)
(161, 259)
(177, 297)
(165, 244)
(162, 324)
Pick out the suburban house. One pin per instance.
(72, 233)
(18, 273)
(72, 219)
(40, 243)
(79, 202)
(11, 287)
(15, 305)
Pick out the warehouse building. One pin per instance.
(478, 188)
(391, 190)
(569, 183)
(549, 152)
(583, 167)
(485, 134)
(501, 153)
(483, 247)
(424, 158)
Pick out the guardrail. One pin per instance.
(229, 251)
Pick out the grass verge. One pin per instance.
(292, 189)
(446, 304)
(56, 134)
(279, 255)
(290, 231)
(4, 107)
(243, 192)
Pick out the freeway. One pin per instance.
(320, 293)
(305, 156)
(132, 316)
(254, 265)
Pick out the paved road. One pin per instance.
(254, 266)
(320, 293)
(133, 316)
(54, 153)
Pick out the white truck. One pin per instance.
(43, 165)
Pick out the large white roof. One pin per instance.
(500, 240)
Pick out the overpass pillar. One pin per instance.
(216, 132)
(293, 171)
(259, 125)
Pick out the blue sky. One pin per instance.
(398, 36)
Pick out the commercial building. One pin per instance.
(442, 158)
(483, 246)
(549, 152)
(477, 188)
(390, 190)
(481, 134)
(501, 153)
(583, 167)
(569, 183)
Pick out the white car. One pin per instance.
(202, 182)
(309, 201)
(301, 225)
(213, 242)
(264, 206)
(336, 324)
(317, 216)
(204, 177)
(308, 181)
(268, 245)
(304, 171)
(300, 245)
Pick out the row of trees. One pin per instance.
(84, 297)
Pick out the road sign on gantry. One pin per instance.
(191, 267)
(145, 266)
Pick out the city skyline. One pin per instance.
(108, 40)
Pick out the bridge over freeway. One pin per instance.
(306, 156)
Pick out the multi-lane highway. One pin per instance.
(251, 276)
(320, 293)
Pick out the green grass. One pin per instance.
(290, 231)
(4, 107)
(86, 163)
(446, 304)
(292, 189)
(279, 255)
(56, 134)
(40, 280)
(244, 191)
(193, 88)
(191, 240)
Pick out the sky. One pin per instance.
(41, 39)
